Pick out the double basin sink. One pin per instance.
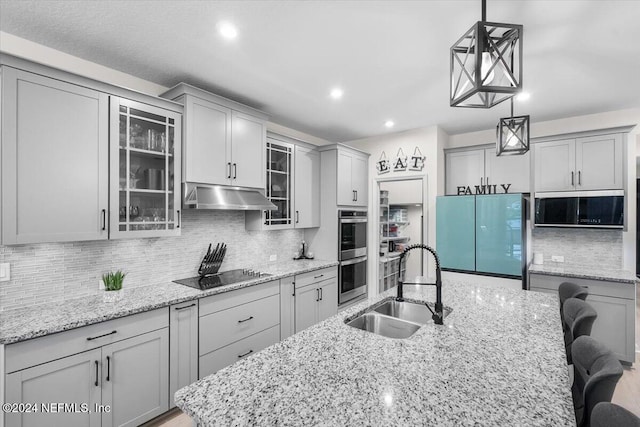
(394, 319)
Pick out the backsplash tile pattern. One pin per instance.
(595, 247)
(53, 272)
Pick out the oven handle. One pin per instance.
(352, 220)
(353, 261)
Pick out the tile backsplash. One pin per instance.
(52, 272)
(582, 246)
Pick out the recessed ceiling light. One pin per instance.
(336, 93)
(523, 96)
(227, 30)
(389, 124)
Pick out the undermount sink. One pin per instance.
(394, 319)
(383, 325)
(406, 310)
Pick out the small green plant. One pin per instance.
(113, 281)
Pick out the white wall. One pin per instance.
(579, 124)
(430, 141)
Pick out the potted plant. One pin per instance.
(113, 282)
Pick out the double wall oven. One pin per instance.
(352, 253)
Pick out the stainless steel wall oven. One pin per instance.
(352, 253)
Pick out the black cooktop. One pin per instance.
(221, 279)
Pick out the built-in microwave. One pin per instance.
(595, 209)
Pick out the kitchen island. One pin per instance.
(497, 360)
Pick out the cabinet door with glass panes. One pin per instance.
(145, 170)
(279, 186)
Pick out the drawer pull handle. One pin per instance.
(240, 356)
(245, 320)
(108, 367)
(96, 383)
(317, 277)
(586, 287)
(186, 306)
(100, 336)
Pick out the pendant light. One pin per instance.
(512, 135)
(486, 64)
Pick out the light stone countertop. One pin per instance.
(583, 272)
(35, 321)
(498, 360)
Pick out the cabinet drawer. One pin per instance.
(224, 327)
(306, 279)
(241, 296)
(595, 287)
(33, 352)
(212, 362)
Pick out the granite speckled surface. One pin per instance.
(584, 272)
(22, 324)
(498, 360)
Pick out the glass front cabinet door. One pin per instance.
(279, 186)
(145, 171)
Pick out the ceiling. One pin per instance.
(390, 57)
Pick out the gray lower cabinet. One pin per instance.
(183, 347)
(136, 378)
(73, 380)
(121, 365)
(237, 324)
(613, 301)
(316, 297)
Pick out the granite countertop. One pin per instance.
(583, 272)
(498, 360)
(22, 324)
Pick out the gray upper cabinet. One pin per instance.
(71, 380)
(307, 187)
(145, 167)
(464, 169)
(352, 179)
(511, 171)
(554, 165)
(207, 127)
(585, 163)
(54, 160)
(482, 167)
(224, 141)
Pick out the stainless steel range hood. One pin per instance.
(201, 196)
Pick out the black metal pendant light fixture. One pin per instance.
(512, 135)
(486, 64)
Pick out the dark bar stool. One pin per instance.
(578, 318)
(597, 371)
(568, 290)
(607, 414)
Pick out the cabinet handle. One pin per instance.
(186, 306)
(100, 336)
(353, 195)
(245, 320)
(317, 295)
(297, 217)
(104, 219)
(317, 277)
(320, 294)
(235, 171)
(179, 218)
(240, 356)
(96, 383)
(356, 191)
(108, 367)
(579, 178)
(572, 178)
(229, 167)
